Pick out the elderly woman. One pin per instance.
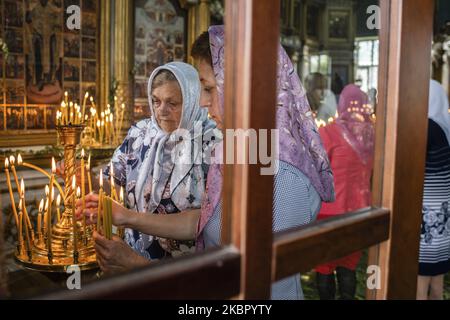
(159, 168)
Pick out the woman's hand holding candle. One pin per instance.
(120, 215)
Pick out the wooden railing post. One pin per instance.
(408, 67)
(251, 50)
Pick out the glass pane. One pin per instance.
(346, 278)
(364, 53)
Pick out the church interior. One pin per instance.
(74, 78)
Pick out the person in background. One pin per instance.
(434, 254)
(349, 142)
(322, 100)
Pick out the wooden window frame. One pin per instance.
(252, 257)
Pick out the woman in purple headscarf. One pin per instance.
(350, 146)
(304, 178)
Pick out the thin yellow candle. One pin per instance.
(39, 226)
(20, 235)
(111, 121)
(100, 201)
(106, 217)
(93, 102)
(74, 222)
(79, 195)
(102, 131)
(83, 189)
(24, 207)
(63, 113)
(66, 97)
(113, 186)
(86, 96)
(121, 197)
(45, 216)
(88, 171)
(122, 202)
(99, 131)
(49, 211)
(27, 236)
(11, 194)
(12, 161)
(58, 207)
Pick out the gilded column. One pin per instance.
(105, 54)
(199, 19)
(123, 55)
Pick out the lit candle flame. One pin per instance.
(91, 99)
(22, 187)
(101, 178)
(41, 205)
(47, 190)
(330, 120)
(123, 105)
(46, 205)
(6, 163)
(53, 165)
(121, 195)
(82, 153)
(12, 160)
(74, 183)
(58, 200)
(20, 205)
(66, 93)
(88, 165)
(19, 160)
(87, 94)
(78, 192)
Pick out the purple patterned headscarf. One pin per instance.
(300, 143)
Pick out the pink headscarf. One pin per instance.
(300, 143)
(356, 123)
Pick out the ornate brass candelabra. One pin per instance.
(70, 244)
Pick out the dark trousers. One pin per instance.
(346, 281)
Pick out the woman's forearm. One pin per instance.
(177, 226)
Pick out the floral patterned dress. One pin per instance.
(127, 161)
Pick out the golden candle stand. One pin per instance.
(61, 253)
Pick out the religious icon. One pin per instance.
(15, 66)
(71, 46)
(339, 24)
(89, 25)
(71, 70)
(89, 49)
(44, 52)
